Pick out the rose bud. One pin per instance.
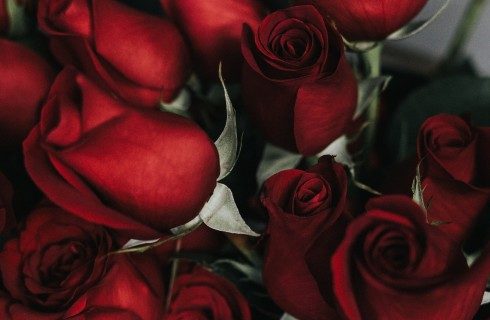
(60, 268)
(393, 265)
(454, 170)
(7, 218)
(24, 81)
(213, 29)
(369, 20)
(306, 211)
(139, 57)
(297, 85)
(138, 171)
(203, 295)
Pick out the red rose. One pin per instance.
(59, 268)
(138, 171)
(369, 20)
(392, 265)
(455, 173)
(214, 28)
(140, 57)
(306, 221)
(297, 85)
(24, 81)
(7, 218)
(206, 296)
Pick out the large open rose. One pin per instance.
(138, 171)
(59, 268)
(141, 58)
(455, 174)
(297, 85)
(393, 265)
(306, 211)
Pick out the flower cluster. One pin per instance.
(127, 193)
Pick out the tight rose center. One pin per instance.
(311, 195)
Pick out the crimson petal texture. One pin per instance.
(140, 172)
(213, 29)
(203, 295)
(297, 85)
(141, 58)
(454, 170)
(392, 265)
(307, 218)
(24, 82)
(369, 20)
(60, 268)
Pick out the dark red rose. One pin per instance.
(138, 171)
(7, 218)
(202, 295)
(24, 81)
(213, 29)
(141, 58)
(393, 265)
(455, 174)
(297, 85)
(369, 20)
(59, 268)
(306, 212)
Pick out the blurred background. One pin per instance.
(422, 52)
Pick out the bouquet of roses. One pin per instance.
(238, 160)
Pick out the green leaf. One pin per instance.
(459, 95)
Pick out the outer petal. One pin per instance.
(24, 81)
(213, 29)
(369, 19)
(270, 106)
(132, 284)
(324, 109)
(147, 50)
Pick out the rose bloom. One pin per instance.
(138, 171)
(393, 265)
(24, 81)
(141, 58)
(203, 295)
(297, 85)
(368, 20)
(455, 174)
(213, 29)
(59, 268)
(307, 217)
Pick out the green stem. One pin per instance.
(462, 34)
(372, 68)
